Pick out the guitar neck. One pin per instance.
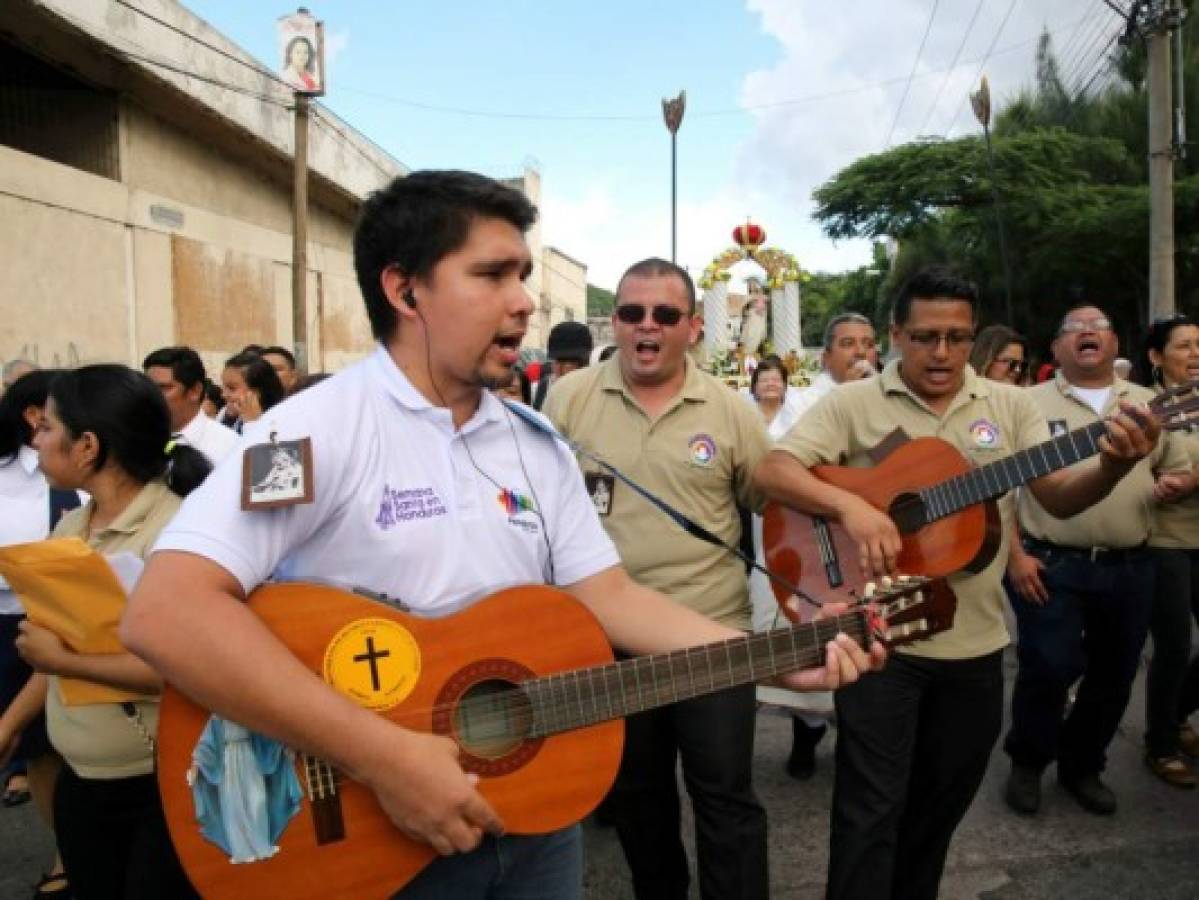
(581, 697)
(997, 478)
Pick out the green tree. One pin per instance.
(599, 301)
(1071, 168)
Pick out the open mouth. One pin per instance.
(509, 346)
(1088, 344)
(647, 348)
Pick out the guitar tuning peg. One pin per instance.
(888, 581)
(903, 579)
(869, 589)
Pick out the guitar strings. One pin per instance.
(803, 657)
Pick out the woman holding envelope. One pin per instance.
(106, 431)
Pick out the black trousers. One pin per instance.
(1092, 627)
(114, 841)
(913, 743)
(1172, 686)
(714, 737)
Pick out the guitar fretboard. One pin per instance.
(997, 478)
(582, 697)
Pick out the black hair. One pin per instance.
(419, 219)
(127, 414)
(263, 380)
(656, 266)
(242, 359)
(771, 363)
(185, 364)
(212, 393)
(300, 39)
(280, 351)
(31, 389)
(250, 348)
(851, 318)
(1156, 338)
(934, 283)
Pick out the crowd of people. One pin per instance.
(1093, 559)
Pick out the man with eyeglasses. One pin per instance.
(685, 436)
(1083, 587)
(913, 742)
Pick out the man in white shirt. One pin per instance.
(427, 490)
(850, 354)
(179, 374)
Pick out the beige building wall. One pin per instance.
(190, 247)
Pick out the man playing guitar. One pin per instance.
(914, 742)
(426, 490)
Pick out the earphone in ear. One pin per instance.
(409, 298)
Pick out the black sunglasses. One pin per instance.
(1015, 366)
(634, 314)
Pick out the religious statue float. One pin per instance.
(770, 318)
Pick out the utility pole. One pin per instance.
(1160, 18)
(299, 245)
(672, 113)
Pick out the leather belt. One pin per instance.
(1094, 554)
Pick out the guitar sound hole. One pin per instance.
(908, 513)
(492, 719)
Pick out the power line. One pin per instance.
(915, 62)
(952, 66)
(982, 64)
(1081, 63)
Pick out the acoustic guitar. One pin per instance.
(524, 681)
(943, 506)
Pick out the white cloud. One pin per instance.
(862, 55)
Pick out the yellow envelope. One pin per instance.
(69, 588)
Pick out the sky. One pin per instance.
(781, 96)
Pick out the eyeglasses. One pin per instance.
(1078, 326)
(1015, 366)
(634, 314)
(932, 339)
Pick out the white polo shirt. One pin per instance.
(210, 437)
(400, 508)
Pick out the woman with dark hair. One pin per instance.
(1171, 357)
(106, 430)
(250, 387)
(263, 389)
(29, 508)
(1000, 354)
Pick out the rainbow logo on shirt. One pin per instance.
(985, 433)
(702, 449)
(514, 503)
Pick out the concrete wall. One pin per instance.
(190, 247)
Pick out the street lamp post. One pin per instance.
(981, 103)
(672, 112)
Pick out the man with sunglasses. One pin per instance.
(913, 742)
(1082, 598)
(685, 436)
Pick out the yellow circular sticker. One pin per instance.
(375, 662)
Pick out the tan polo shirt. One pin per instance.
(986, 421)
(1176, 525)
(98, 740)
(1123, 518)
(698, 456)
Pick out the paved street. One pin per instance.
(1149, 850)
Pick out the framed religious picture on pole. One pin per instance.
(302, 52)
